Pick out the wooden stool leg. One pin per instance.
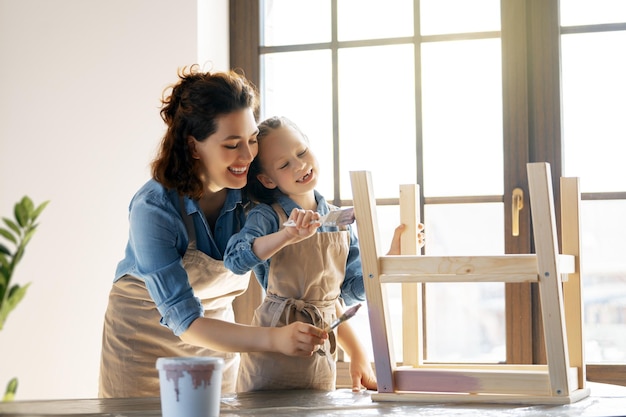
(369, 242)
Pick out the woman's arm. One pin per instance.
(296, 339)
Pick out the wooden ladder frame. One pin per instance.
(561, 381)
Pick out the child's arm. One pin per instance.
(306, 224)
(361, 370)
(261, 237)
(396, 247)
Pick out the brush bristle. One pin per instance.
(344, 217)
(352, 311)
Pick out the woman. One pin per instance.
(172, 295)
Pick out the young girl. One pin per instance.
(172, 295)
(311, 266)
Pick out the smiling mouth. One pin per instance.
(306, 177)
(238, 170)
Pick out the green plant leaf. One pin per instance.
(17, 257)
(19, 233)
(28, 205)
(4, 282)
(39, 209)
(4, 250)
(9, 394)
(16, 293)
(5, 270)
(12, 225)
(7, 234)
(21, 214)
(29, 234)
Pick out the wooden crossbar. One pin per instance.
(503, 268)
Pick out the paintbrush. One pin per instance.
(349, 313)
(337, 218)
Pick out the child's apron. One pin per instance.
(133, 337)
(304, 283)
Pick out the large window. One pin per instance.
(457, 95)
(594, 87)
(358, 65)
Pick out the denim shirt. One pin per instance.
(263, 220)
(157, 243)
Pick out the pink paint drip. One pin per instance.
(201, 375)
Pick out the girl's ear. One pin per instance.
(191, 143)
(266, 181)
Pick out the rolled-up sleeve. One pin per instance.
(239, 256)
(174, 298)
(353, 288)
(159, 242)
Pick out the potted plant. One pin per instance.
(17, 234)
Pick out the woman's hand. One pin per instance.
(298, 339)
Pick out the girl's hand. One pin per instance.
(298, 339)
(396, 247)
(421, 237)
(362, 374)
(306, 224)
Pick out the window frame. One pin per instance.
(530, 39)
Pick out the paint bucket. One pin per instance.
(190, 386)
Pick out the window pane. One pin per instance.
(465, 321)
(377, 116)
(594, 126)
(586, 12)
(295, 22)
(604, 280)
(459, 16)
(308, 106)
(464, 229)
(462, 118)
(373, 19)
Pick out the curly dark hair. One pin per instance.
(255, 191)
(192, 109)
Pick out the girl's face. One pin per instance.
(287, 162)
(225, 156)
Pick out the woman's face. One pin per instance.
(225, 156)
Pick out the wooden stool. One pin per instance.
(561, 381)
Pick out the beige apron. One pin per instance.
(133, 337)
(304, 283)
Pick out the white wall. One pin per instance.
(80, 83)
